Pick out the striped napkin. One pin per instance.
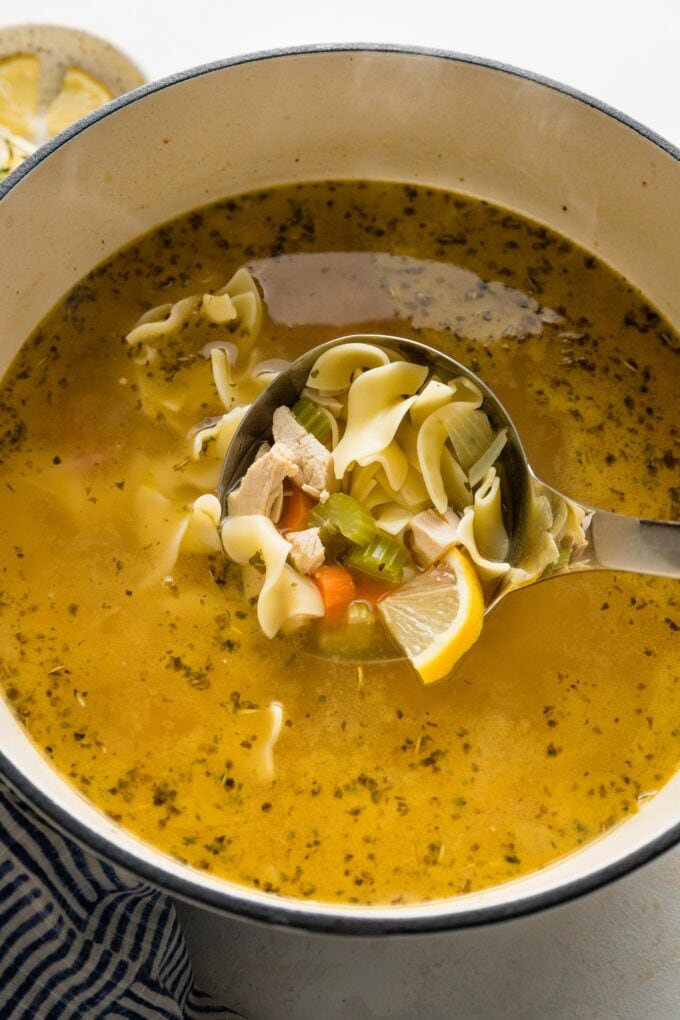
(81, 939)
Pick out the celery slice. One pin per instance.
(382, 558)
(343, 514)
(312, 419)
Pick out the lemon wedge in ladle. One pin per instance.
(437, 617)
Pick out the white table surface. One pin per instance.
(625, 52)
(616, 954)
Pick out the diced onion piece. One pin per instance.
(469, 431)
(455, 481)
(488, 458)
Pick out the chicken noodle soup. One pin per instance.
(131, 648)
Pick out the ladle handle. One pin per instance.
(629, 543)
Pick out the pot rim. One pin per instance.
(322, 917)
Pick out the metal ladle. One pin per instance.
(612, 541)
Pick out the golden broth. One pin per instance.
(152, 697)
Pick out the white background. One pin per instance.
(616, 954)
(624, 52)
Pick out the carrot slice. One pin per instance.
(337, 588)
(296, 507)
(369, 590)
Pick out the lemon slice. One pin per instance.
(19, 75)
(79, 95)
(13, 151)
(438, 616)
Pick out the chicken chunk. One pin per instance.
(261, 488)
(432, 534)
(307, 552)
(313, 459)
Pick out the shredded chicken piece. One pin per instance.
(261, 488)
(307, 552)
(313, 459)
(432, 534)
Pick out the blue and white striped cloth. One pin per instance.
(81, 939)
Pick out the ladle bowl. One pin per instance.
(611, 541)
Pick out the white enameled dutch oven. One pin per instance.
(367, 112)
